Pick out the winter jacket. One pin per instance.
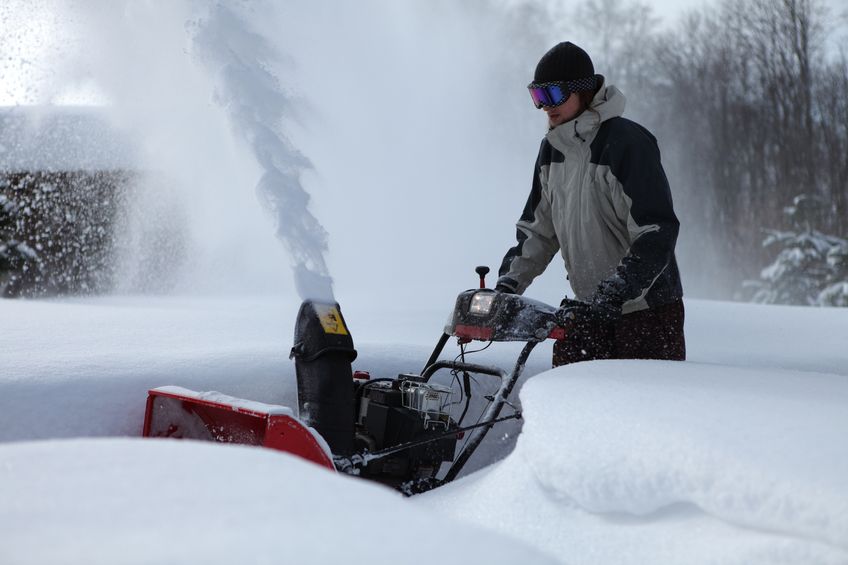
(601, 197)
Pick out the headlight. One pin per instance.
(481, 303)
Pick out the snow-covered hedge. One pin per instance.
(56, 231)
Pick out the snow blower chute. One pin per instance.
(402, 431)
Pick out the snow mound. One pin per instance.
(164, 501)
(703, 464)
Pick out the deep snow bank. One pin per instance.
(160, 501)
(650, 462)
(74, 369)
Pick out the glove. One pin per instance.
(587, 313)
(609, 298)
(582, 313)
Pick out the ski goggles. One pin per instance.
(551, 94)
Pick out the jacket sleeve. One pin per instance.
(645, 204)
(537, 240)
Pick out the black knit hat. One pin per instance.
(565, 61)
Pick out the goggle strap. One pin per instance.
(587, 83)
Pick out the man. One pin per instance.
(599, 195)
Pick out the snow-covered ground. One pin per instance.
(736, 456)
(649, 462)
(109, 501)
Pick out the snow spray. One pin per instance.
(136, 62)
(240, 60)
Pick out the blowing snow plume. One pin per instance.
(240, 61)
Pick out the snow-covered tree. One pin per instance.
(811, 268)
(836, 291)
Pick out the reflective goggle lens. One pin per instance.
(548, 94)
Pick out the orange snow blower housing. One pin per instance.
(180, 413)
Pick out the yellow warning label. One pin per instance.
(331, 319)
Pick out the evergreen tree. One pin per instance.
(811, 268)
(836, 291)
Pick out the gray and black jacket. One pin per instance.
(600, 195)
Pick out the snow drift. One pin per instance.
(701, 463)
(162, 501)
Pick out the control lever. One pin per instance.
(482, 271)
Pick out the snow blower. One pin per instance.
(402, 431)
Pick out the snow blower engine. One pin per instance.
(406, 432)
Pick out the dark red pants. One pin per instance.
(656, 333)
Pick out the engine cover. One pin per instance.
(388, 415)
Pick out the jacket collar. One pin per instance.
(608, 103)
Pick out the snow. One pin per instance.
(61, 138)
(735, 456)
(240, 58)
(162, 501)
(699, 464)
(231, 401)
